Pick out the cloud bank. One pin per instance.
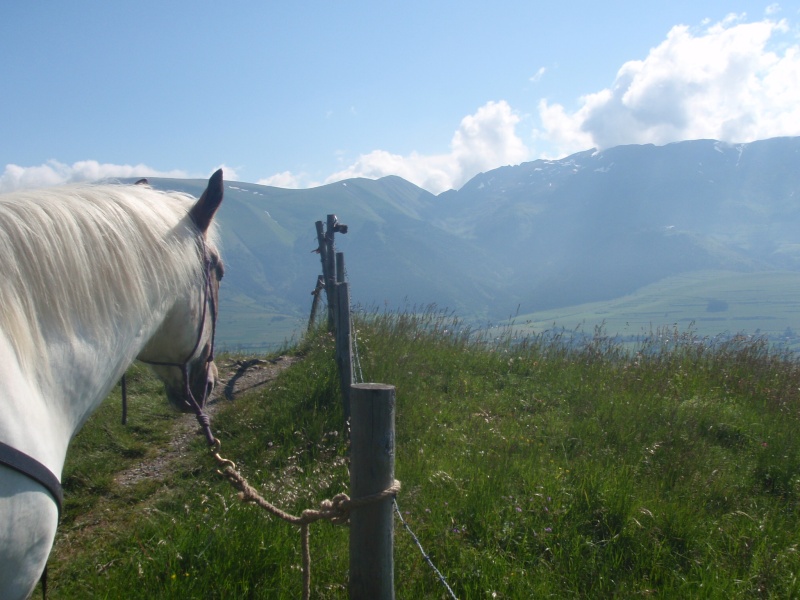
(483, 141)
(733, 81)
(53, 172)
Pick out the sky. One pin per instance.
(300, 94)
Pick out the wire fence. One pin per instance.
(359, 378)
(334, 273)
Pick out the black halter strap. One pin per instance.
(32, 468)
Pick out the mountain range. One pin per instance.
(534, 238)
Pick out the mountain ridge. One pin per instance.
(544, 234)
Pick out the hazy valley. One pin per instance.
(633, 236)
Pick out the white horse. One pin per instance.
(91, 278)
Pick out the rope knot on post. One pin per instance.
(336, 510)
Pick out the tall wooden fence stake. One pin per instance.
(371, 472)
(329, 269)
(315, 302)
(344, 343)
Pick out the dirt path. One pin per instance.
(236, 378)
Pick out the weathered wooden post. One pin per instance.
(339, 274)
(344, 344)
(329, 270)
(315, 302)
(371, 472)
(340, 278)
(327, 274)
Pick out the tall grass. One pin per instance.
(531, 468)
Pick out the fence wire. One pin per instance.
(424, 554)
(359, 378)
(357, 373)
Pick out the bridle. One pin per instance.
(209, 303)
(30, 467)
(38, 472)
(200, 214)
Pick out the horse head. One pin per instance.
(91, 277)
(181, 352)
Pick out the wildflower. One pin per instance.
(518, 509)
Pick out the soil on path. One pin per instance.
(235, 378)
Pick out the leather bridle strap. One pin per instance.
(32, 468)
(197, 407)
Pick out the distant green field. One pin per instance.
(246, 325)
(712, 302)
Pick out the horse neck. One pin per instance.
(42, 415)
(76, 317)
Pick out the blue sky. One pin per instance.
(297, 94)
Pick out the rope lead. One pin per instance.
(336, 510)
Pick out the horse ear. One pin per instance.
(203, 210)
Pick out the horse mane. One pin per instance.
(89, 260)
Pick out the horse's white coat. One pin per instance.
(89, 277)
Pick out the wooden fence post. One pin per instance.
(344, 345)
(315, 302)
(371, 472)
(327, 275)
(329, 270)
(340, 278)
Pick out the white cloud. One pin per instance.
(53, 172)
(483, 141)
(733, 81)
(772, 9)
(538, 75)
(285, 179)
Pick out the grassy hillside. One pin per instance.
(530, 469)
(711, 302)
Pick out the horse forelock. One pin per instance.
(87, 261)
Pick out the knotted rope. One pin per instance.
(336, 510)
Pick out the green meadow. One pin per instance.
(710, 302)
(243, 323)
(531, 468)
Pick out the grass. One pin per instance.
(245, 325)
(531, 468)
(713, 302)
